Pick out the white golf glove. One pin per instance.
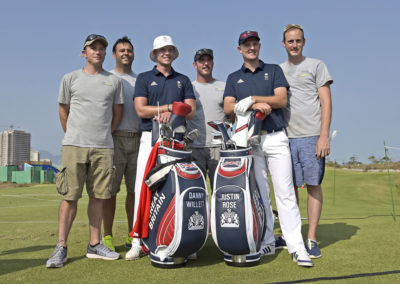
(243, 105)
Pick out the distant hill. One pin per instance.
(56, 159)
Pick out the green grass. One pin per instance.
(357, 235)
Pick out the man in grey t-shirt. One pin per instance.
(308, 117)
(90, 108)
(126, 143)
(209, 106)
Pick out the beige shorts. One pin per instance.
(90, 166)
(126, 149)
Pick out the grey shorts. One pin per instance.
(90, 166)
(307, 169)
(126, 149)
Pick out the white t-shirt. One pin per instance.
(91, 99)
(303, 111)
(130, 120)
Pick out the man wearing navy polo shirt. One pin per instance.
(263, 87)
(155, 91)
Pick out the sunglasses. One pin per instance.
(94, 36)
(291, 26)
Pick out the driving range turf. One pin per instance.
(359, 236)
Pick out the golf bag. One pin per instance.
(179, 211)
(238, 219)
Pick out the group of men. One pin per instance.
(107, 120)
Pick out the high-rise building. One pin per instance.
(15, 148)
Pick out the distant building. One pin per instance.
(35, 155)
(15, 148)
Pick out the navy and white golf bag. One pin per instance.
(238, 220)
(179, 210)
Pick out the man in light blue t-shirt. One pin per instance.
(308, 118)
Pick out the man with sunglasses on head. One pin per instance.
(308, 118)
(209, 107)
(263, 87)
(155, 92)
(126, 142)
(90, 108)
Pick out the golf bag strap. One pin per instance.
(157, 175)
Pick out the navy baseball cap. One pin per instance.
(246, 35)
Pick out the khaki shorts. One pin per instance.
(80, 165)
(126, 151)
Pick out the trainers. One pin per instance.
(135, 253)
(302, 258)
(109, 242)
(57, 258)
(280, 243)
(128, 242)
(313, 249)
(101, 251)
(193, 256)
(268, 249)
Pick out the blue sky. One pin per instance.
(42, 40)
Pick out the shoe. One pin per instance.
(193, 256)
(109, 242)
(268, 249)
(302, 258)
(313, 249)
(101, 251)
(58, 257)
(280, 243)
(128, 242)
(135, 253)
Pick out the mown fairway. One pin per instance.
(357, 234)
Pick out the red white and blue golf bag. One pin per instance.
(179, 211)
(238, 221)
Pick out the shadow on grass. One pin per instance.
(14, 265)
(27, 249)
(329, 234)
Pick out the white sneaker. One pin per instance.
(193, 256)
(134, 253)
(268, 249)
(302, 258)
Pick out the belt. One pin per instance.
(126, 133)
(263, 132)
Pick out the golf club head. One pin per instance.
(191, 136)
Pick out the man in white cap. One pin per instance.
(155, 91)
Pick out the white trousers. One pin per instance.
(275, 147)
(144, 153)
(260, 169)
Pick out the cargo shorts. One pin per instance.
(90, 166)
(126, 149)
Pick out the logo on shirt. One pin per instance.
(108, 83)
(179, 84)
(266, 77)
(240, 81)
(153, 83)
(303, 74)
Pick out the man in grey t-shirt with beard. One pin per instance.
(308, 117)
(209, 106)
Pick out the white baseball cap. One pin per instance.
(160, 42)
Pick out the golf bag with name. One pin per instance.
(179, 211)
(238, 220)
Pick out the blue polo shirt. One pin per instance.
(261, 82)
(154, 86)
